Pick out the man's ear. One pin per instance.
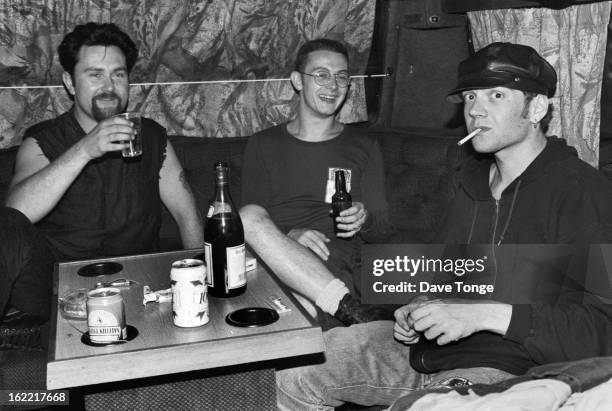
(296, 80)
(67, 78)
(538, 108)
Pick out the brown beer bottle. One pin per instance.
(341, 200)
(224, 249)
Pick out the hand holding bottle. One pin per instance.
(351, 220)
(341, 200)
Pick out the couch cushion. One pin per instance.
(198, 156)
(420, 172)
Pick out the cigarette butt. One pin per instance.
(469, 136)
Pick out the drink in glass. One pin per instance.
(135, 148)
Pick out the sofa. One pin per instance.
(420, 170)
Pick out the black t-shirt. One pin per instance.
(294, 179)
(113, 207)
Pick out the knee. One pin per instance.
(295, 389)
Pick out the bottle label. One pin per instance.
(330, 188)
(236, 266)
(208, 258)
(219, 208)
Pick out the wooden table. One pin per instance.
(162, 348)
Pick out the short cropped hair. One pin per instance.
(95, 34)
(318, 45)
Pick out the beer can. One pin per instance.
(105, 315)
(189, 298)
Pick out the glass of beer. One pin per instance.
(135, 148)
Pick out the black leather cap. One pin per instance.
(505, 65)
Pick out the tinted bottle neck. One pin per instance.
(340, 183)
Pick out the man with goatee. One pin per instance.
(70, 178)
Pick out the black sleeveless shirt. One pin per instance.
(113, 207)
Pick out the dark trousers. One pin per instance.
(26, 266)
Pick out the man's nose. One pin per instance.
(108, 83)
(333, 84)
(476, 108)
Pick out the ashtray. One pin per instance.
(132, 333)
(103, 268)
(252, 317)
(73, 305)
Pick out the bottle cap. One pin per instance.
(221, 172)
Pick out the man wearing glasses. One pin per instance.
(288, 181)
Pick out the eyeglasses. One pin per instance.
(324, 78)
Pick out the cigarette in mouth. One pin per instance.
(466, 138)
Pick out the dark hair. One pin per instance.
(317, 45)
(95, 34)
(545, 121)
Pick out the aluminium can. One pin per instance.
(189, 293)
(106, 315)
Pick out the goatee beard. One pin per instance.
(101, 113)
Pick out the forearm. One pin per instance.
(577, 321)
(552, 333)
(36, 195)
(190, 228)
(495, 317)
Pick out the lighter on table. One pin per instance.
(119, 282)
(277, 304)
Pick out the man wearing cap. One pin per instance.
(530, 189)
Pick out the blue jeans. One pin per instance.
(364, 365)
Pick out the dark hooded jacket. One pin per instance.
(537, 240)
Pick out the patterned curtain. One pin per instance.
(206, 68)
(573, 40)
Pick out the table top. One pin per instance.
(161, 347)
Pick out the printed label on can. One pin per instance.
(104, 326)
(105, 315)
(236, 266)
(208, 259)
(189, 299)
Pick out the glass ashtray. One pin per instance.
(73, 305)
